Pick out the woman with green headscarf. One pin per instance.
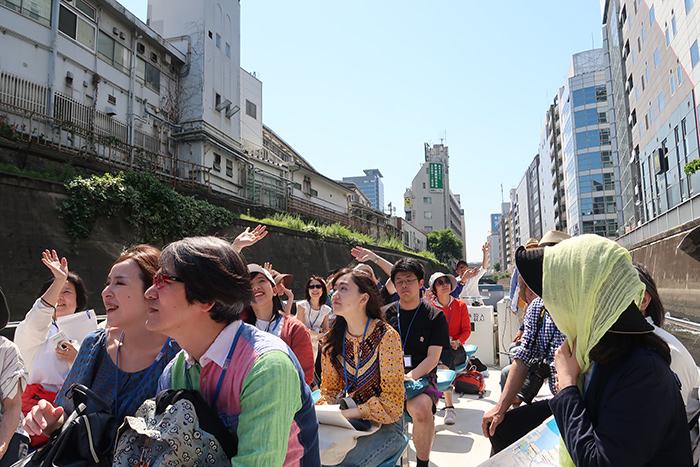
(618, 401)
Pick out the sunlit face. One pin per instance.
(347, 298)
(67, 300)
(263, 291)
(169, 312)
(443, 286)
(315, 289)
(407, 285)
(123, 295)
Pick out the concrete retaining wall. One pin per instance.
(29, 224)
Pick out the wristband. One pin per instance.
(46, 304)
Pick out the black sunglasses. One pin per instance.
(315, 286)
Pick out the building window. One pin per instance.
(694, 57)
(644, 36)
(679, 74)
(218, 41)
(217, 99)
(251, 109)
(427, 200)
(112, 52)
(147, 74)
(428, 215)
(688, 5)
(646, 73)
(314, 192)
(76, 26)
(217, 162)
(673, 85)
(661, 101)
(673, 25)
(229, 168)
(228, 50)
(38, 10)
(652, 15)
(668, 38)
(590, 95)
(428, 228)
(656, 58)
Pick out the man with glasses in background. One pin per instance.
(424, 334)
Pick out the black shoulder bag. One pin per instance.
(85, 439)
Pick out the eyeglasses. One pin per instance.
(315, 286)
(405, 283)
(160, 278)
(442, 281)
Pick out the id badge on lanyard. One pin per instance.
(407, 361)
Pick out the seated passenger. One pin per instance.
(13, 379)
(362, 359)
(197, 297)
(424, 333)
(618, 401)
(123, 362)
(682, 363)
(47, 359)
(265, 313)
(313, 311)
(460, 328)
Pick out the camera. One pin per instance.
(538, 371)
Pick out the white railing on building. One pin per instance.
(23, 93)
(674, 217)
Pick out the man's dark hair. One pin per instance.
(655, 309)
(81, 293)
(461, 261)
(408, 265)
(212, 271)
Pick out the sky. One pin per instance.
(364, 84)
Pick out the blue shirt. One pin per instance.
(548, 339)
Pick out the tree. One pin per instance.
(445, 245)
(497, 266)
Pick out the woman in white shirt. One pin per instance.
(313, 311)
(43, 336)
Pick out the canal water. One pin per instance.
(689, 337)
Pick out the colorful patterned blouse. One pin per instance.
(379, 390)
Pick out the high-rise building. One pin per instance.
(589, 148)
(429, 204)
(653, 58)
(371, 185)
(493, 239)
(553, 204)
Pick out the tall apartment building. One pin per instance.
(654, 63)
(371, 185)
(493, 239)
(589, 147)
(520, 213)
(552, 192)
(505, 235)
(429, 204)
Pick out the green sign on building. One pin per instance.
(436, 177)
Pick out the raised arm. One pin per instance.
(249, 237)
(59, 269)
(485, 261)
(363, 254)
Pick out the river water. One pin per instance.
(689, 337)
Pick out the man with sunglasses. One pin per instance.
(196, 298)
(424, 333)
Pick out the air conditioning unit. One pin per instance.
(166, 58)
(110, 111)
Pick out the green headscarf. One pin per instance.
(587, 282)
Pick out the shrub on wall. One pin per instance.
(156, 212)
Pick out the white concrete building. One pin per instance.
(429, 204)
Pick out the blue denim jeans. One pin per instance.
(374, 449)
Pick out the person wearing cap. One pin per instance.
(618, 401)
(14, 442)
(265, 313)
(539, 341)
(460, 328)
(202, 285)
(424, 333)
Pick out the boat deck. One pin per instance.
(464, 443)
